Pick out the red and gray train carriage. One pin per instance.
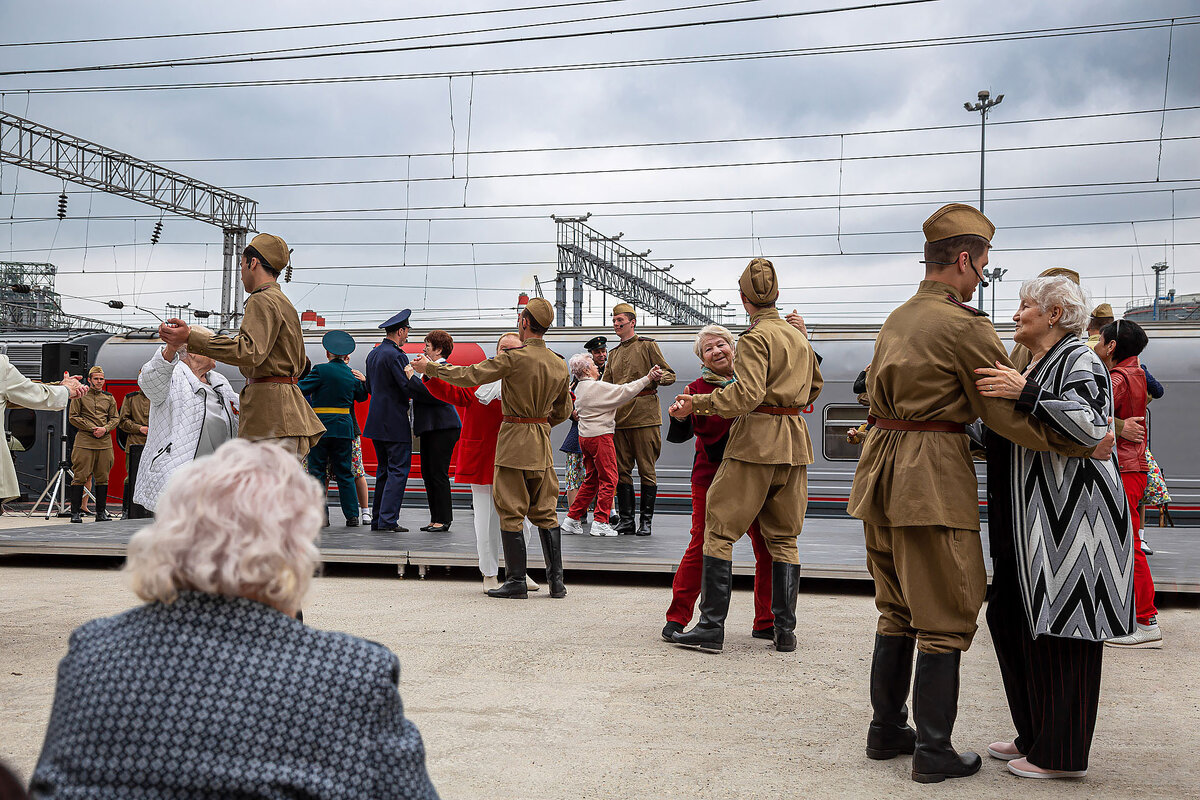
(1173, 356)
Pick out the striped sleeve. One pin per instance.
(1077, 400)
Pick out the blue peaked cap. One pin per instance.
(399, 319)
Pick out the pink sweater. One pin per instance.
(597, 403)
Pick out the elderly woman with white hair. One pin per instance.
(596, 404)
(213, 688)
(193, 411)
(1060, 537)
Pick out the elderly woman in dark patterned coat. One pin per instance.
(213, 689)
(1061, 539)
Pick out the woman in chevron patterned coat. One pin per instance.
(1061, 539)
(212, 688)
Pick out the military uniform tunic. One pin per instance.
(334, 390)
(534, 386)
(764, 473)
(92, 457)
(135, 412)
(916, 491)
(270, 344)
(638, 437)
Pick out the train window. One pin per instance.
(837, 420)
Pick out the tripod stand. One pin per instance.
(56, 488)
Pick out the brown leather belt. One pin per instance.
(646, 392)
(913, 425)
(525, 420)
(779, 411)
(273, 379)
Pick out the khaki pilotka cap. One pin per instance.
(95, 371)
(624, 308)
(759, 282)
(540, 309)
(1103, 311)
(1061, 272)
(957, 219)
(273, 249)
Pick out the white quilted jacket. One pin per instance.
(176, 418)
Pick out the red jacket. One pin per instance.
(476, 449)
(1129, 400)
(712, 432)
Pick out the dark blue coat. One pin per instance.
(333, 385)
(224, 697)
(431, 414)
(391, 392)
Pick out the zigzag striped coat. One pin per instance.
(1067, 519)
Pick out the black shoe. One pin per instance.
(669, 630)
(101, 503)
(552, 550)
(649, 493)
(763, 633)
(75, 495)
(890, 734)
(390, 528)
(785, 585)
(352, 522)
(935, 707)
(625, 509)
(709, 633)
(514, 587)
(436, 527)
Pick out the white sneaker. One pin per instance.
(530, 584)
(490, 582)
(603, 529)
(365, 518)
(1146, 549)
(1146, 637)
(572, 527)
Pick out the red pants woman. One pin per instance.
(600, 465)
(1143, 581)
(685, 589)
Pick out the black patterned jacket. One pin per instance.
(220, 697)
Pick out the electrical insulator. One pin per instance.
(62, 206)
(202, 314)
(157, 232)
(115, 304)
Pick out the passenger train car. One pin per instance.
(1173, 356)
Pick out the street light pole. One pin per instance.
(984, 105)
(994, 275)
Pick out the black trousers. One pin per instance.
(436, 449)
(1052, 683)
(133, 458)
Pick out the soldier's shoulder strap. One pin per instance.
(645, 338)
(977, 312)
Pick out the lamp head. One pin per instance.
(984, 94)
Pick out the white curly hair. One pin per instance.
(242, 523)
(579, 364)
(1046, 293)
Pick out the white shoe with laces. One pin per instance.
(1146, 637)
(1146, 548)
(572, 527)
(365, 518)
(603, 529)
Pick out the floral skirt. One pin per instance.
(1156, 485)
(575, 473)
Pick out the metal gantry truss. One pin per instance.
(28, 301)
(588, 256)
(34, 146)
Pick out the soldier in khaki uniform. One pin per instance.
(135, 424)
(638, 437)
(534, 397)
(269, 351)
(764, 474)
(915, 491)
(94, 416)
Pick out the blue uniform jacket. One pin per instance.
(431, 414)
(391, 392)
(333, 385)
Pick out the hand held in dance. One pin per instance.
(174, 332)
(682, 407)
(409, 371)
(655, 373)
(418, 364)
(1133, 430)
(797, 322)
(74, 384)
(1000, 381)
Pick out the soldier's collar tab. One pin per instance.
(976, 311)
(266, 285)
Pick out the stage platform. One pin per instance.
(829, 547)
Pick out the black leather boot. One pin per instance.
(709, 633)
(625, 508)
(785, 585)
(514, 567)
(552, 551)
(649, 493)
(935, 707)
(101, 503)
(890, 734)
(75, 495)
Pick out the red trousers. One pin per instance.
(685, 589)
(1143, 581)
(600, 482)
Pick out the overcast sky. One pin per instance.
(357, 267)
